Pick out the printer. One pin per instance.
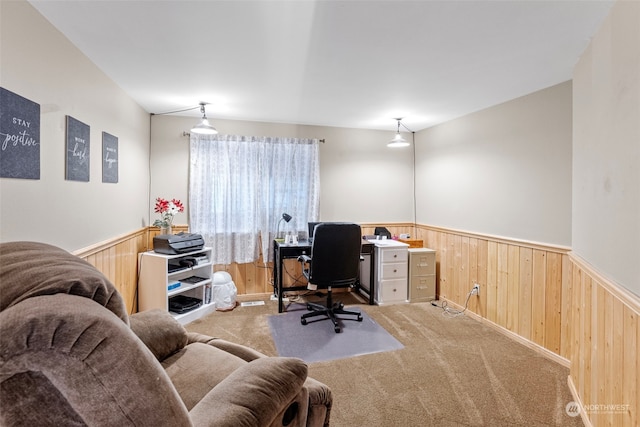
(174, 244)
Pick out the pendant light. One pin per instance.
(204, 128)
(398, 141)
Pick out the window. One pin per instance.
(240, 187)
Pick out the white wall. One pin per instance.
(361, 179)
(39, 64)
(503, 171)
(606, 148)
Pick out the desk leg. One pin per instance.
(277, 276)
(280, 303)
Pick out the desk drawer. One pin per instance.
(422, 263)
(394, 270)
(392, 291)
(394, 255)
(422, 288)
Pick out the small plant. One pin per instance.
(167, 210)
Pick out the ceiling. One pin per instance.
(355, 64)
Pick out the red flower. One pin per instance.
(167, 210)
(178, 205)
(161, 205)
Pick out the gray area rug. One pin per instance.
(317, 341)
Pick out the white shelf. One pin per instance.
(187, 286)
(187, 269)
(192, 315)
(155, 278)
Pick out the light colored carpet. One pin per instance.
(451, 371)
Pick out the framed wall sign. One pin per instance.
(109, 158)
(19, 136)
(78, 150)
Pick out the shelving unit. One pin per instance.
(165, 276)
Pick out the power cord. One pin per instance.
(452, 312)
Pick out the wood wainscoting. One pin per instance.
(118, 260)
(603, 344)
(549, 299)
(521, 283)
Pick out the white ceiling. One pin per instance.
(331, 63)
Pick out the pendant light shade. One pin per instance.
(204, 128)
(398, 141)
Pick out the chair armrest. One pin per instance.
(159, 331)
(305, 262)
(304, 258)
(245, 353)
(256, 394)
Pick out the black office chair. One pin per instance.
(334, 262)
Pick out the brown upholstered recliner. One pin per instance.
(70, 355)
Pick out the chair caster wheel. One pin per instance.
(359, 318)
(303, 321)
(337, 329)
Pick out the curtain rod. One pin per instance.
(185, 133)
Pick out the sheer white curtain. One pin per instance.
(239, 187)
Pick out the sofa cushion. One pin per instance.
(243, 352)
(197, 368)
(29, 269)
(159, 331)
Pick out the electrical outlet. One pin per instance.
(475, 290)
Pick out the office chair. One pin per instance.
(334, 262)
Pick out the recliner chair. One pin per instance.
(334, 262)
(71, 355)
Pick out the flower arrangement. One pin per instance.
(167, 210)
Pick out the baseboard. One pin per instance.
(576, 398)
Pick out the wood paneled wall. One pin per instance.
(520, 282)
(549, 299)
(603, 342)
(542, 295)
(118, 260)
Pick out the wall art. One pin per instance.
(109, 158)
(78, 150)
(19, 136)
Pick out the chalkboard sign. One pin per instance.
(19, 136)
(78, 150)
(109, 158)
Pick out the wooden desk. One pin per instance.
(413, 243)
(282, 251)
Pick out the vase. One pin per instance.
(165, 229)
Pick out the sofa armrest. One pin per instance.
(256, 394)
(159, 331)
(86, 361)
(320, 403)
(245, 353)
